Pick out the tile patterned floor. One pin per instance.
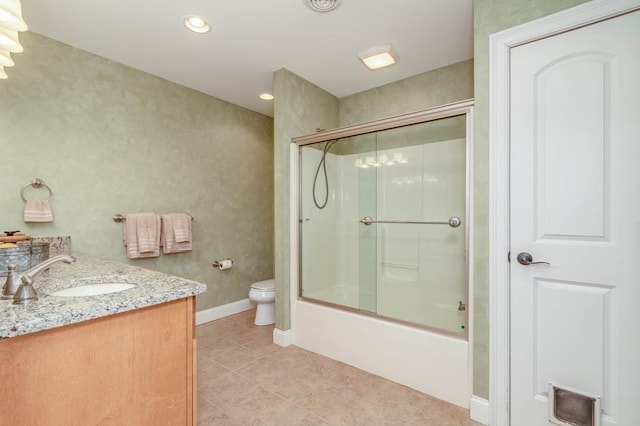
(245, 379)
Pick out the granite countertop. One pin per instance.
(48, 311)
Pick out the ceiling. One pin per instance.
(250, 39)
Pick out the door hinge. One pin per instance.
(509, 257)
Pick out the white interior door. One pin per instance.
(575, 203)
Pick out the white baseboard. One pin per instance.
(222, 311)
(282, 338)
(479, 410)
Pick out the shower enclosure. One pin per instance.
(383, 218)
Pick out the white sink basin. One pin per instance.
(93, 289)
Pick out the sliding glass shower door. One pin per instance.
(383, 223)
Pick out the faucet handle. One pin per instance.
(25, 293)
(12, 282)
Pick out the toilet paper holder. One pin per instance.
(223, 264)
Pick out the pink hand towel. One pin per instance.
(182, 227)
(148, 231)
(37, 211)
(170, 243)
(147, 226)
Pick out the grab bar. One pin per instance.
(453, 222)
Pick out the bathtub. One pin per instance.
(427, 361)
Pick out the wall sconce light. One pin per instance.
(11, 15)
(379, 57)
(10, 23)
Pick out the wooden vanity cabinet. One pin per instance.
(132, 368)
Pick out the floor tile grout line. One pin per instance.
(289, 403)
(236, 333)
(292, 404)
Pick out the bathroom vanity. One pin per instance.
(126, 357)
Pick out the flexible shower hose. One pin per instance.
(322, 164)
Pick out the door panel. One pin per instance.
(558, 313)
(570, 146)
(575, 203)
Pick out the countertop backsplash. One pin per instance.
(57, 245)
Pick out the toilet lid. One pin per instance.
(264, 285)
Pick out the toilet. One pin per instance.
(264, 294)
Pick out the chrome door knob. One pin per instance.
(526, 259)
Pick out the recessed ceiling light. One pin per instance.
(322, 5)
(197, 24)
(379, 57)
(266, 96)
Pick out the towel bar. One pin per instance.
(121, 218)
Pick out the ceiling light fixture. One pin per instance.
(197, 24)
(10, 23)
(379, 57)
(266, 96)
(322, 5)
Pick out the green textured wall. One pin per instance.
(110, 139)
(491, 16)
(300, 108)
(433, 88)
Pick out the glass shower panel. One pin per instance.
(366, 164)
(408, 264)
(422, 266)
(319, 229)
(337, 257)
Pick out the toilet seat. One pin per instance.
(266, 285)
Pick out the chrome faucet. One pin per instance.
(26, 292)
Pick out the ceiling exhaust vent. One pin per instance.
(322, 5)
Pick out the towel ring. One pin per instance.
(37, 183)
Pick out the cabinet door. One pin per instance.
(130, 368)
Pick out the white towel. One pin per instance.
(176, 233)
(37, 211)
(142, 235)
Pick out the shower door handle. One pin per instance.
(453, 222)
(367, 220)
(526, 259)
